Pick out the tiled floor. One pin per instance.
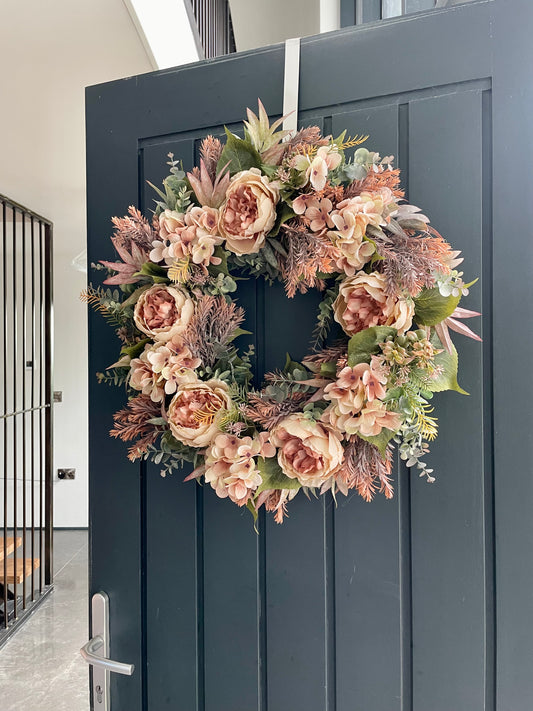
(40, 666)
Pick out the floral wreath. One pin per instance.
(293, 208)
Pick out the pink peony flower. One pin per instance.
(195, 411)
(162, 312)
(231, 468)
(249, 212)
(363, 302)
(308, 451)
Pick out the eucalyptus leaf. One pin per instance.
(366, 343)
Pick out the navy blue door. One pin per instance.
(423, 602)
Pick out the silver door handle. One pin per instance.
(89, 653)
(96, 650)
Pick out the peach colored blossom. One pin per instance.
(195, 411)
(355, 387)
(169, 222)
(143, 378)
(363, 302)
(249, 212)
(375, 417)
(315, 210)
(327, 158)
(173, 362)
(162, 312)
(193, 235)
(349, 222)
(231, 468)
(308, 451)
(369, 421)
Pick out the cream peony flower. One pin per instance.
(249, 212)
(308, 451)
(162, 312)
(363, 302)
(195, 411)
(231, 468)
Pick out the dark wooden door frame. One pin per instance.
(488, 38)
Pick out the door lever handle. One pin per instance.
(96, 650)
(89, 653)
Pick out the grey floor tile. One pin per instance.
(40, 666)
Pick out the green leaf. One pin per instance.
(238, 332)
(273, 476)
(291, 365)
(380, 441)
(221, 268)
(431, 307)
(285, 213)
(449, 362)
(251, 508)
(329, 370)
(153, 270)
(270, 256)
(366, 343)
(136, 349)
(132, 300)
(238, 154)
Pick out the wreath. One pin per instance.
(294, 208)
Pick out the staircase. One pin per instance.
(23, 568)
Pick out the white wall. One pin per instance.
(49, 51)
(257, 23)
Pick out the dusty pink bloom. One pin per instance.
(355, 387)
(231, 468)
(193, 235)
(317, 168)
(162, 312)
(315, 210)
(363, 302)
(369, 421)
(308, 451)
(249, 212)
(143, 378)
(375, 417)
(349, 222)
(195, 411)
(173, 363)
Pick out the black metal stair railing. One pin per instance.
(215, 30)
(26, 505)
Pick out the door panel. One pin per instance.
(367, 607)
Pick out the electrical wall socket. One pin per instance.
(66, 473)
